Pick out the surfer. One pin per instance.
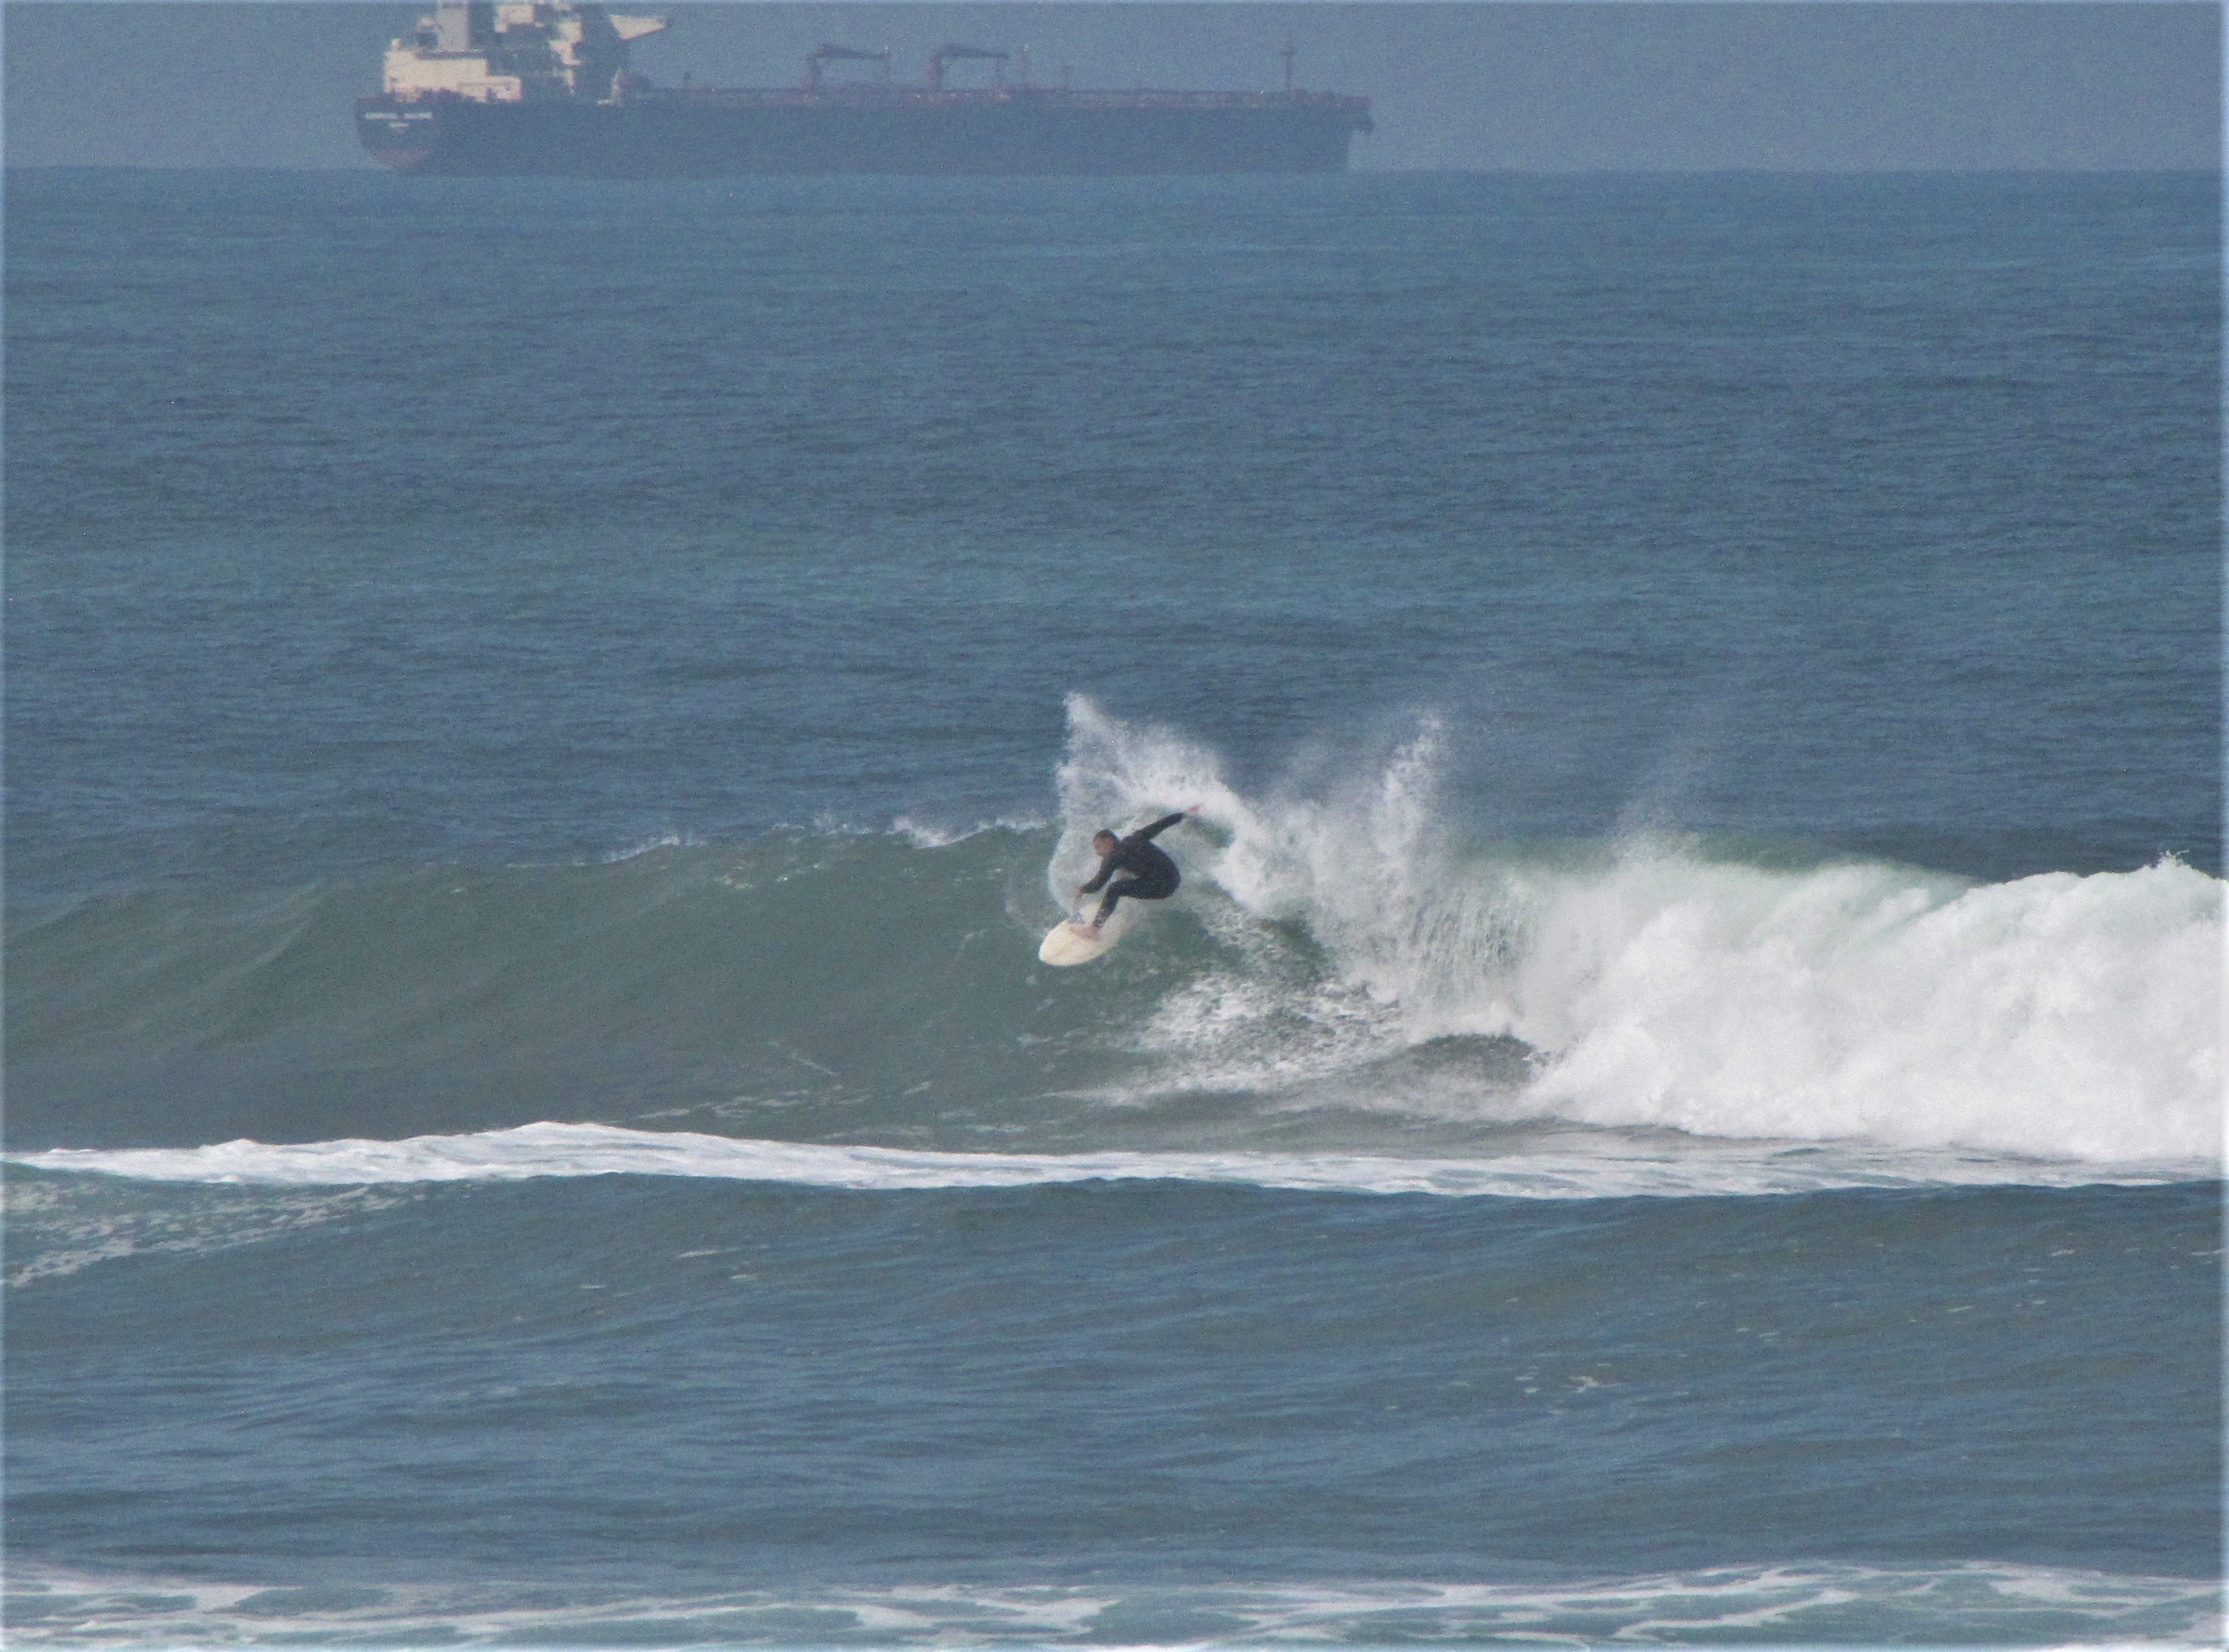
(1152, 875)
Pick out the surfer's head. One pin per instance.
(1103, 841)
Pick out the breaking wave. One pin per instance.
(1783, 1604)
(2060, 1015)
(1349, 977)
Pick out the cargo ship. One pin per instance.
(489, 89)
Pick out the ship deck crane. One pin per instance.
(821, 55)
(947, 53)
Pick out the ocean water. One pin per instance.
(1679, 1102)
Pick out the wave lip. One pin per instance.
(1606, 1166)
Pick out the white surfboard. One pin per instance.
(1067, 942)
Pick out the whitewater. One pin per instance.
(2056, 1016)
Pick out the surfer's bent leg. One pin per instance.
(1138, 889)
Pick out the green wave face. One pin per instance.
(819, 981)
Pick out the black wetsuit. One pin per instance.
(1152, 875)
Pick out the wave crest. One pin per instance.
(1592, 1168)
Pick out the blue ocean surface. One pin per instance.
(1679, 1101)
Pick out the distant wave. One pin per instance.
(1789, 1604)
(1617, 1169)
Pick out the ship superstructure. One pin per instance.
(512, 52)
(514, 87)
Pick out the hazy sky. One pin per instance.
(1559, 85)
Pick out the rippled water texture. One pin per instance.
(1679, 1100)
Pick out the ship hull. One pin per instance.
(679, 135)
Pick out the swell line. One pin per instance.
(1616, 1167)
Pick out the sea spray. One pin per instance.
(2059, 1015)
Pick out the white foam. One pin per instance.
(1610, 1165)
(2071, 1017)
(2054, 1017)
(1790, 1604)
(926, 834)
(51, 1234)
